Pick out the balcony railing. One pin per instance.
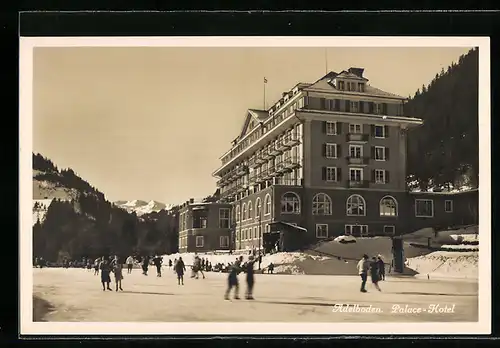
(252, 178)
(358, 160)
(242, 170)
(358, 183)
(266, 153)
(281, 167)
(291, 139)
(260, 157)
(291, 163)
(260, 177)
(357, 137)
(273, 149)
(280, 144)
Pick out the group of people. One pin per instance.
(376, 268)
(232, 281)
(108, 266)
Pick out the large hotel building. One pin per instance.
(329, 157)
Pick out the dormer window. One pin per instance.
(361, 87)
(286, 97)
(341, 85)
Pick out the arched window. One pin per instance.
(388, 206)
(258, 208)
(249, 210)
(244, 217)
(238, 213)
(355, 206)
(322, 204)
(267, 205)
(290, 203)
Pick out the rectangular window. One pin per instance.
(361, 87)
(379, 153)
(355, 128)
(354, 106)
(379, 176)
(341, 85)
(356, 230)
(424, 208)
(224, 217)
(355, 174)
(268, 228)
(331, 150)
(321, 231)
(199, 241)
(355, 151)
(448, 206)
(224, 241)
(331, 128)
(389, 230)
(255, 232)
(379, 132)
(331, 174)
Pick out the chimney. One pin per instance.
(357, 71)
(191, 200)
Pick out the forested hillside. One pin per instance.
(90, 226)
(445, 149)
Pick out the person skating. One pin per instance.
(198, 267)
(260, 260)
(145, 265)
(105, 268)
(97, 262)
(374, 273)
(363, 266)
(232, 279)
(169, 263)
(118, 273)
(270, 268)
(130, 264)
(158, 260)
(381, 268)
(179, 268)
(250, 277)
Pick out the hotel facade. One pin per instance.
(329, 157)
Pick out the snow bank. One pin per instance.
(446, 264)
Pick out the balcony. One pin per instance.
(282, 167)
(221, 182)
(360, 161)
(273, 149)
(291, 139)
(260, 177)
(242, 170)
(291, 162)
(253, 161)
(280, 144)
(357, 137)
(268, 174)
(266, 153)
(259, 159)
(358, 183)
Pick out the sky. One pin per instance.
(151, 123)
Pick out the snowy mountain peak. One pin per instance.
(141, 207)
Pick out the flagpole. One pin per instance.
(265, 82)
(326, 61)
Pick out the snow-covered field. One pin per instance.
(75, 295)
(446, 264)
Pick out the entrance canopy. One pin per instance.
(280, 225)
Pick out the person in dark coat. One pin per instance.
(105, 268)
(179, 268)
(250, 277)
(158, 260)
(381, 267)
(374, 273)
(169, 263)
(260, 260)
(270, 268)
(232, 279)
(145, 265)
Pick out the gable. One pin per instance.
(252, 119)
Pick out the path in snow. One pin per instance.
(76, 295)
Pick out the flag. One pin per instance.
(265, 80)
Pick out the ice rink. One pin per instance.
(75, 295)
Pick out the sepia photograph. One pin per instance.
(231, 185)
